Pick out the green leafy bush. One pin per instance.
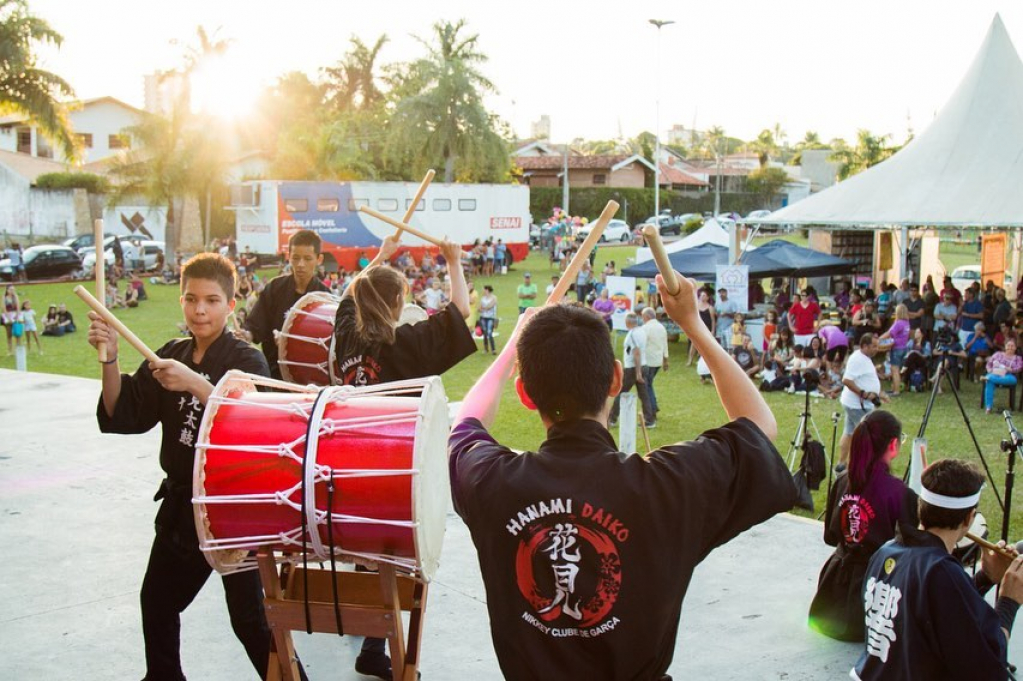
(90, 182)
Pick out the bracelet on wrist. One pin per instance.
(109, 361)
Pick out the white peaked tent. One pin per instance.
(965, 169)
(710, 233)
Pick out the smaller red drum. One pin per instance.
(303, 343)
(364, 468)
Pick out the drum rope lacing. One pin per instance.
(319, 473)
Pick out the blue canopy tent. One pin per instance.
(781, 258)
(776, 258)
(699, 262)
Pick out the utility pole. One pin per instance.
(564, 183)
(659, 23)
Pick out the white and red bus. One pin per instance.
(268, 212)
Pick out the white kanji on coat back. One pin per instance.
(881, 604)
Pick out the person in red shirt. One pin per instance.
(803, 317)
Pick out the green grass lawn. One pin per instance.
(687, 407)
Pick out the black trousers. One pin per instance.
(641, 391)
(174, 576)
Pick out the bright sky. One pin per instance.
(830, 66)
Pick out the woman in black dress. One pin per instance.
(864, 505)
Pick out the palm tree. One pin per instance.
(870, 150)
(156, 168)
(439, 113)
(25, 88)
(765, 146)
(351, 85)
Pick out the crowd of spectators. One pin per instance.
(807, 340)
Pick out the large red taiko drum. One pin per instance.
(370, 462)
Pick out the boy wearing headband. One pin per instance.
(925, 617)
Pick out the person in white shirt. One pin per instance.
(861, 391)
(550, 286)
(633, 361)
(726, 310)
(656, 352)
(433, 298)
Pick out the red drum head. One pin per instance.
(304, 341)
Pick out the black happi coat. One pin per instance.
(587, 553)
(143, 403)
(428, 348)
(272, 306)
(857, 524)
(925, 617)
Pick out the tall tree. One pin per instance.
(24, 87)
(870, 150)
(439, 114)
(765, 146)
(352, 83)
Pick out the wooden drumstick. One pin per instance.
(988, 545)
(118, 325)
(583, 254)
(101, 275)
(653, 241)
(400, 225)
(415, 199)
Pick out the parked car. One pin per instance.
(45, 261)
(83, 241)
(963, 278)
(616, 230)
(665, 224)
(758, 214)
(138, 254)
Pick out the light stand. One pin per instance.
(802, 436)
(835, 417)
(1013, 447)
(943, 373)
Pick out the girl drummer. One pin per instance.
(863, 506)
(371, 347)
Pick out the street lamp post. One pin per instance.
(659, 23)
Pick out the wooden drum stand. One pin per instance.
(369, 604)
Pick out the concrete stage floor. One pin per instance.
(77, 517)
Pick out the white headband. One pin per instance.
(954, 503)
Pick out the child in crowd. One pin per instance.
(738, 331)
(28, 316)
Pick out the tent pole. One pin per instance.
(904, 250)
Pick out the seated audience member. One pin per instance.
(1002, 370)
(131, 296)
(560, 571)
(918, 360)
(864, 505)
(925, 617)
(977, 345)
(1006, 332)
(747, 356)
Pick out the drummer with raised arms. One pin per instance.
(277, 298)
(172, 392)
(371, 347)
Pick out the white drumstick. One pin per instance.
(118, 325)
(101, 275)
(401, 225)
(583, 254)
(415, 199)
(653, 241)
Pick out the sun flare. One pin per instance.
(225, 88)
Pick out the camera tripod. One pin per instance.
(802, 436)
(943, 372)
